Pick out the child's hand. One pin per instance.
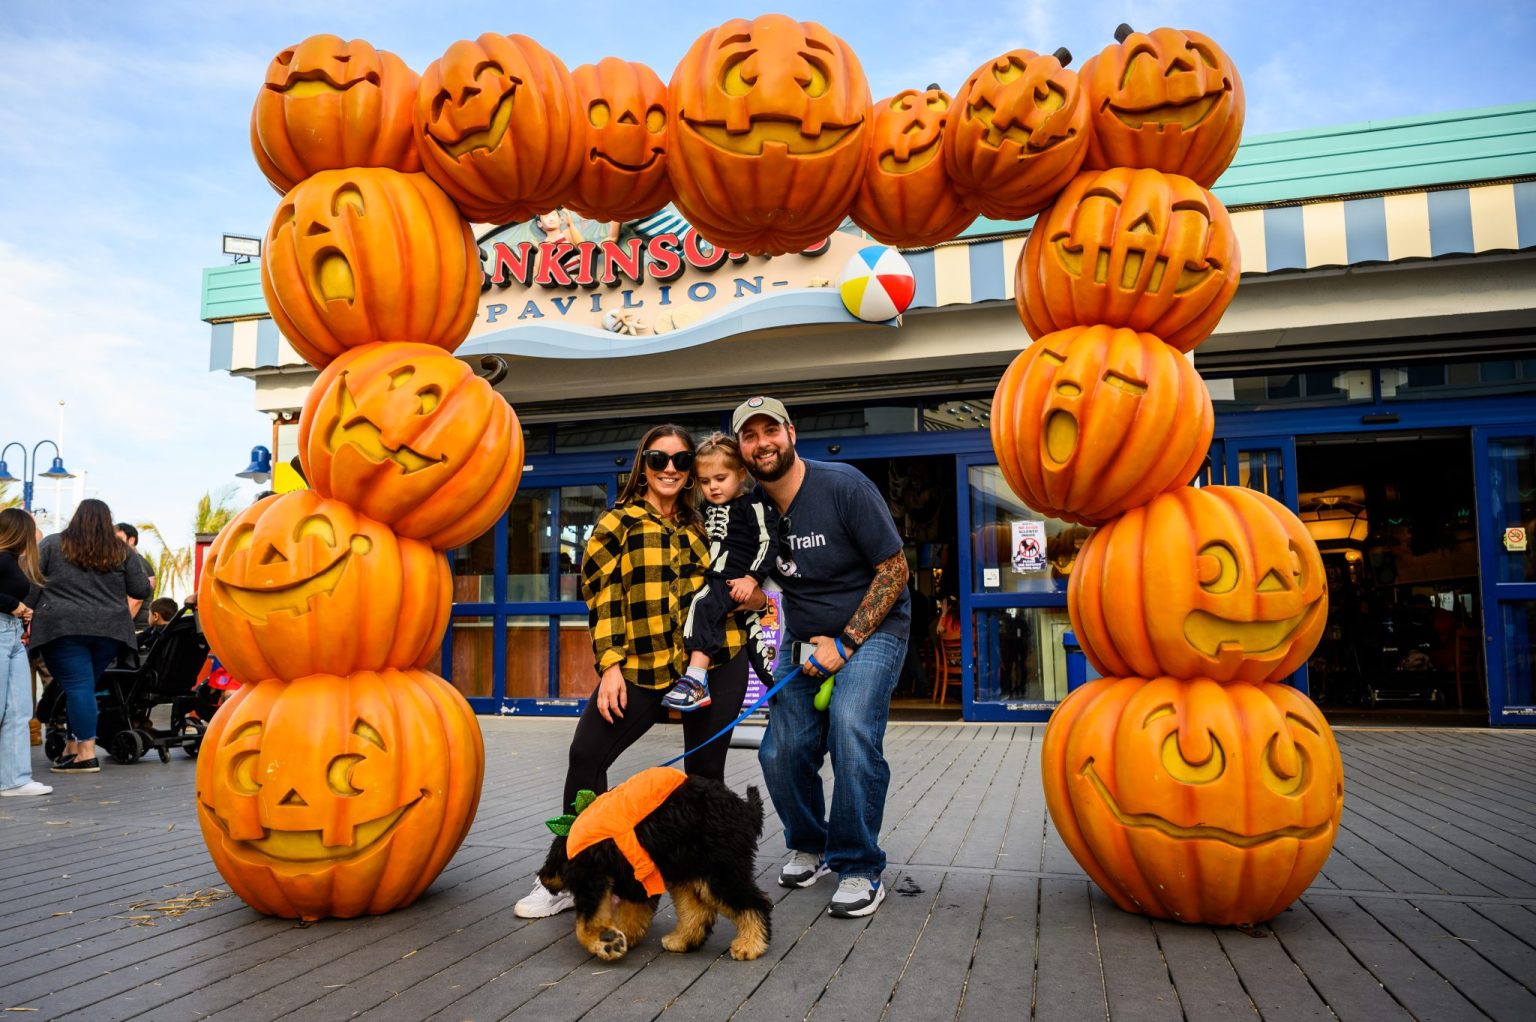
(743, 589)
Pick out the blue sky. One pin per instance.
(125, 156)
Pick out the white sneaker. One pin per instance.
(30, 788)
(856, 896)
(802, 870)
(542, 902)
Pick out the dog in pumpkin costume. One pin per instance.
(660, 830)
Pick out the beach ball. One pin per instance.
(877, 284)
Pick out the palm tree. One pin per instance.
(6, 498)
(214, 511)
(172, 565)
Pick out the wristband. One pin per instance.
(850, 640)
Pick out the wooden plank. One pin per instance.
(935, 980)
(1271, 979)
(1349, 989)
(1069, 982)
(1517, 920)
(1136, 979)
(1513, 957)
(881, 953)
(1473, 976)
(1208, 985)
(1002, 975)
(987, 837)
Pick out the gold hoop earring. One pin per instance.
(690, 484)
(644, 482)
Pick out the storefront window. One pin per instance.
(472, 669)
(528, 547)
(969, 411)
(578, 675)
(1458, 379)
(1015, 549)
(1020, 655)
(1512, 475)
(1290, 390)
(528, 657)
(474, 570)
(855, 420)
(580, 507)
(1519, 637)
(610, 435)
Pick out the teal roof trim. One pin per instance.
(232, 292)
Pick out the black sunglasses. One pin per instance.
(657, 460)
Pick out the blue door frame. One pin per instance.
(1495, 512)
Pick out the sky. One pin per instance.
(124, 156)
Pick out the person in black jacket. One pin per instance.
(19, 578)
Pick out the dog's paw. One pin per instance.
(677, 943)
(611, 945)
(745, 950)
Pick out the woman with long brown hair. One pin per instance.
(19, 581)
(84, 619)
(645, 561)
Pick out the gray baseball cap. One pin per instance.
(769, 406)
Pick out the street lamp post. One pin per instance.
(29, 471)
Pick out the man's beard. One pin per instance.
(773, 473)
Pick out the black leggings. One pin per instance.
(598, 743)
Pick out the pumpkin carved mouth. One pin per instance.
(1212, 635)
(303, 84)
(333, 277)
(308, 846)
(598, 154)
(1179, 832)
(766, 131)
(1190, 277)
(916, 159)
(361, 432)
(1185, 116)
(1049, 100)
(486, 138)
(1060, 436)
(295, 597)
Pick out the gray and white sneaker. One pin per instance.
(856, 896)
(802, 870)
(542, 902)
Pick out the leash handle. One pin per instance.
(744, 715)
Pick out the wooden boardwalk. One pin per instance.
(1427, 908)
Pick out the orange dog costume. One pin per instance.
(614, 815)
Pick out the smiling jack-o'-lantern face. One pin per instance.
(328, 103)
(335, 796)
(412, 438)
(298, 584)
(496, 125)
(365, 254)
(623, 169)
(906, 197)
(1094, 420)
(1221, 582)
(1194, 800)
(1018, 134)
(1134, 248)
(770, 122)
(1167, 99)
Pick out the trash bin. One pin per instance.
(1077, 664)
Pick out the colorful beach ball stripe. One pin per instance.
(877, 284)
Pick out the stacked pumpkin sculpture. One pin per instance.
(1189, 782)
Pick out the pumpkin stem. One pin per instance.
(294, 464)
(493, 369)
(1123, 32)
(935, 87)
(1063, 55)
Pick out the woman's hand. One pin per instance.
(612, 695)
(22, 611)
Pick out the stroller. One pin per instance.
(168, 672)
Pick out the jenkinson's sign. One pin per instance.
(637, 285)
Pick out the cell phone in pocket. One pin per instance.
(804, 651)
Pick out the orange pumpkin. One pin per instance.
(496, 124)
(1166, 99)
(411, 437)
(338, 796)
(329, 103)
(906, 197)
(1019, 134)
(298, 584)
(361, 255)
(1132, 248)
(770, 123)
(1094, 420)
(1221, 582)
(623, 172)
(1191, 800)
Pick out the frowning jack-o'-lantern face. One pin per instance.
(412, 438)
(298, 584)
(770, 123)
(906, 197)
(1167, 99)
(496, 124)
(1194, 800)
(623, 171)
(1019, 133)
(332, 796)
(1091, 421)
(1220, 582)
(1135, 248)
(329, 103)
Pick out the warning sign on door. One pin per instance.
(1514, 539)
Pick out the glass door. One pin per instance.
(1505, 465)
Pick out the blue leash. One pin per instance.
(744, 715)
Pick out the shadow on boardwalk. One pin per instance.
(1427, 908)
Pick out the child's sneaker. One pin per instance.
(686, 695)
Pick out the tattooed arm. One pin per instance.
(890, 579)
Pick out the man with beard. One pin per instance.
(843, 571)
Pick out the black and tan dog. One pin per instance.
(660, 830)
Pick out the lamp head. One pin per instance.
(260, 468)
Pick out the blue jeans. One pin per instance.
(852, 729)
(16, 708)
(77, 662)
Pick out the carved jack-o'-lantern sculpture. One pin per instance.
(906, 197)
(1166, 99)
(770, 122)
(1133, 248)
(497, 126)
(330, 103)
(410, 437)
(298, 584)
(365, 254)
(1018, 134)
(623, 109)
(1192, 800)
(1093, 420)
(1221, 582)
(338, 796)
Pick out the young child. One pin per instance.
(160, 613)
(741, 530)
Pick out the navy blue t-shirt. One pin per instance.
(835, 532)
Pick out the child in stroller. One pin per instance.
(169, 669)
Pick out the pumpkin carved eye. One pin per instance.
(655, 119)
(1217, 567)
(316, 525)
(242, 765)
(241, 540)
(815, 84)
(598, 114)
(349, 195)
(1180, 769)
(734, 81)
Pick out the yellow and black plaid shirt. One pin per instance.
(640, 573)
